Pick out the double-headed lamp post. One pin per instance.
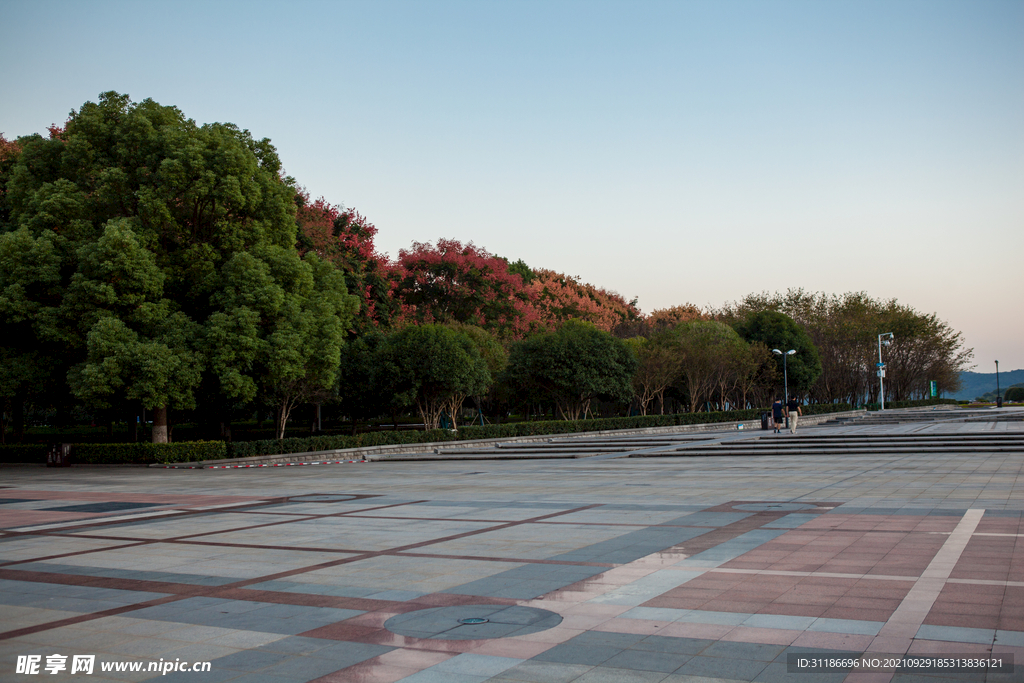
(785, 374)
(886, 339)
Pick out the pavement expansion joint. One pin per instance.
(710, 556)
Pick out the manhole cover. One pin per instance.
(774, 507)
(471, 622)
(325, 498)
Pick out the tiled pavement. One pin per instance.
(668, 570)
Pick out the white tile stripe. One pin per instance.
(901, 628)
(877, 577)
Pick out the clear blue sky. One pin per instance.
(674, 151)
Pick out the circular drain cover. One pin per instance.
(774, 507)
(325, 498)
(472, 622)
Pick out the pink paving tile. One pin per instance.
(367, 672)
(370, 619)
(453, 646)
(640, 626)
(512, 647)
(858, 614)
(545, 603)
(413, 659)
(345, 631)
(675, 603)
(770, 636)
(448, 599)
(941, 647)
(965, 608)
(832, 641)
(863, 602)
(17, 518)
(794, 610)
(597, 609)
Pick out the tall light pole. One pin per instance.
(785, 375)
(998, 405)
(884, 338)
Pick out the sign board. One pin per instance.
(935, 388)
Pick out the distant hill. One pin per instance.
(979, 383)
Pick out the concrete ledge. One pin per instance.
(430, 449)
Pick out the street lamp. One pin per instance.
(999, 404)
(785, 374)
(884, 338)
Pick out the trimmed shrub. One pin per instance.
(120, 453)
(24, 453)
(913, 404)
(193, 451)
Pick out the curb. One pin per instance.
(427, 449)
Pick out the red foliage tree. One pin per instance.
(345, 238)
(559, 297)
(452, 282)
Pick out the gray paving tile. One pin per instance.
(683, 646)
(578, 654)
(957, 634)
(477, 665)
(739, 650)
(604, 674)
(535, 671)
(777, 673)
(251, 660)
(719, 667)
(646, 660)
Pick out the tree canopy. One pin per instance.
(574, 364)
(154, 242)
(778, 331)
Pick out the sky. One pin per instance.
(677, 152)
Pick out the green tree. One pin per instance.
(1014, 394)
(369, 380)
(778, 331)
(710, 354)
(439, 367)
(280, 330)
(574, 365)
(658, 368)
(134, 216)
(494, 355)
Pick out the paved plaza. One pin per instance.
(722, 556)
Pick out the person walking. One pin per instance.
(793, 412)
(777, 414)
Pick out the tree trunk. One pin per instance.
(160, 434)
(19, 417)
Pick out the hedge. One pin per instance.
(914, 404)
(28, 452)
(191, 451)
(245, 449)
(120, 453)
